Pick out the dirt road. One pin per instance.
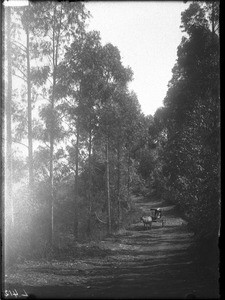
(141, 263)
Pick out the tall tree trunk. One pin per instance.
(52, 135)
(52, 184)
(128, 176)
(108, 187)
(89, 182)
(76, 221)
(9, 117)
(29, 112)
(51, 139)
(118, 183)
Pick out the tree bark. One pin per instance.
(76, 221)
(29, 112)
(89, 182)
(128, 176)
(118, 184)
(108, 187)
(9, 118)
(52, 186)
(52, 134)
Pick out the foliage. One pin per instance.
(189, 154)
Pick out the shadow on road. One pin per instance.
(152, 263)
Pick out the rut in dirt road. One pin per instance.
(154, 263)
(143, 263)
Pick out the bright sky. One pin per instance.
(147, 34)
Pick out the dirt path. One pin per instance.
(142, 263)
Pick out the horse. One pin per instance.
(147, 222)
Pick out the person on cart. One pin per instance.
(157, 213)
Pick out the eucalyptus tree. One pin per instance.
(115, 77)
(79, 75)
(127, 135)
(118, 142)
(9, 114)
(21, 68)
(26, 26)
(55, 26)
(16, 115)
(191, 120)
(93, 74)
(132, 115)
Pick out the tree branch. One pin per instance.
(21, 72)
(103, 222)
(17, 142)
(45, 170)
(49, 57)
(19, 46)
(20, 143)
(19, 77)
(46, 145)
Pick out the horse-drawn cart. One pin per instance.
(156, 214)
